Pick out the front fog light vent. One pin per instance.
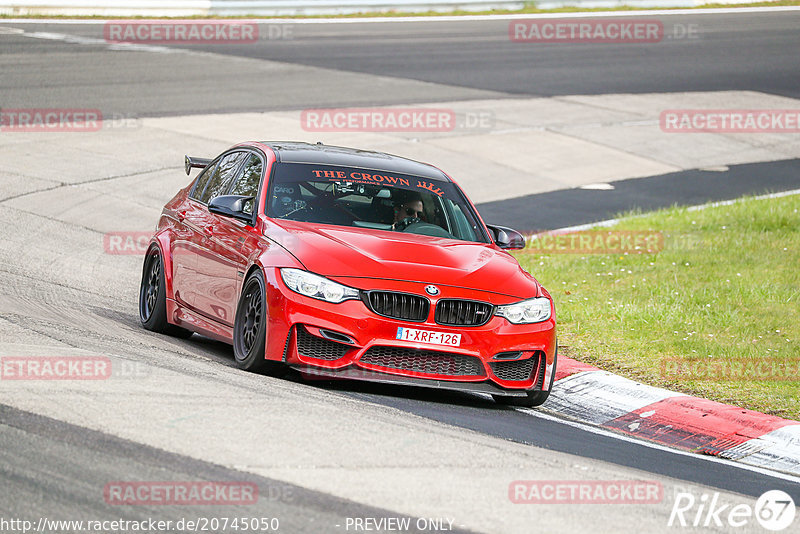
(336, 336)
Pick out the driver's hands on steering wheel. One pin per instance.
(405, 223)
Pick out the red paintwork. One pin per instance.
(335, 251)
(207, 258)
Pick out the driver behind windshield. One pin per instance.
(408, 209)
(342, 196)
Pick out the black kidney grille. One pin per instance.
(424, 361)
(456, 312)
(398, 305)
(311, 346)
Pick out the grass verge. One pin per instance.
(715, 313)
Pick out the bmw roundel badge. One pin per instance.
(432, 290)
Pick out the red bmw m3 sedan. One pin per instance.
(346, 263)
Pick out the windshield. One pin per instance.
(373, 199)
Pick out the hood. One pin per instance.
(336, 251)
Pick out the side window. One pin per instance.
(223, 174)
(202, 180)
(247, 183)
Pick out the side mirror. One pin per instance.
(231, 206)
(507, 238)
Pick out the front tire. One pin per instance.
(153, 298)
(250, 329)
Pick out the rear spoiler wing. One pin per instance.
(197, 163)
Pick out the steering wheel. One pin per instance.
(405, 223)
(428, 229)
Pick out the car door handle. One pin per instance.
(181, 215)
(208, 230)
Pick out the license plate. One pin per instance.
(428, 336)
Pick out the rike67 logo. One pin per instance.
(774, 510)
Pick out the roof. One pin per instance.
(296, 152)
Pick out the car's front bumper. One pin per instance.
(349, 341)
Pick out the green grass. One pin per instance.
(725, 290)
(530, 8)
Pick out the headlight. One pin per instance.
(526, 312)
(317, 287)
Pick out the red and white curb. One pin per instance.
(590, 395)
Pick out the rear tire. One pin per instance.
(533, 398)
(250, 329)
(153, 298)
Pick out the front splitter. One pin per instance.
(351, 373)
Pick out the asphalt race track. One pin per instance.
(729, 52)
(685, 188)
(563, 117)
